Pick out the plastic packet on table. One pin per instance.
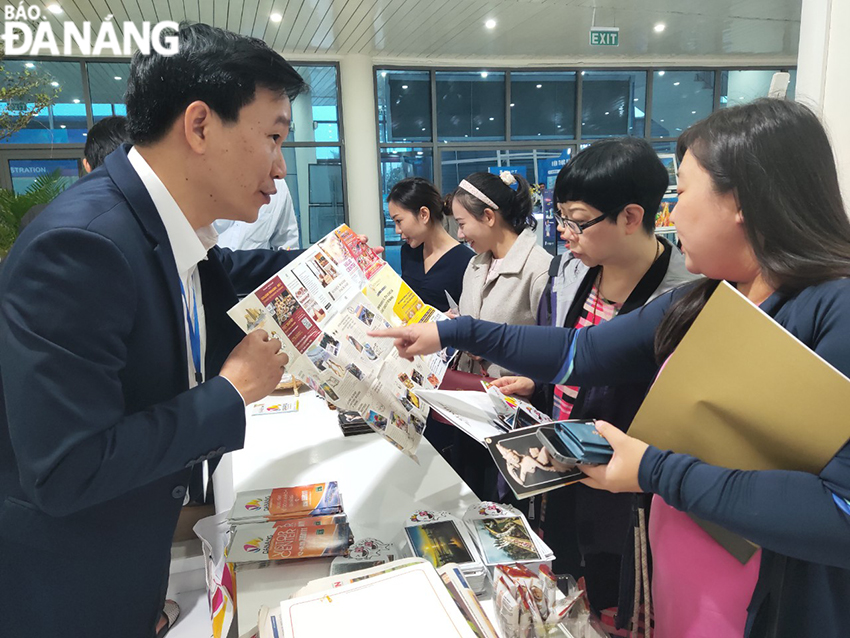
(221, 580)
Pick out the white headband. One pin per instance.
(469, 188)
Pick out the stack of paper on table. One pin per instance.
(741, 392)
(404, 598)
(256, 506)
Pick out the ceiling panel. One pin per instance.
(547, 31)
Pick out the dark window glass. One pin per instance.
(613, 103)
(543, 105)
(679, 99)
(404, 106)
(470, 105)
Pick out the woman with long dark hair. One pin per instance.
(432, 261)
(760, 207)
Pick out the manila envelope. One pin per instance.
(741, 392)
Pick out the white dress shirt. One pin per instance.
(189, 248)
(276, 226)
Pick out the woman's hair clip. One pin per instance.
(509, 180)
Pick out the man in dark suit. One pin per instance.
(120, 370)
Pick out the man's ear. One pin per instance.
(198, 120)
(86, 165)
(632, 216)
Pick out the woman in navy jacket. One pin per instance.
(759, 206)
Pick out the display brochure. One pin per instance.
(282, 406)
(312, 521)
(411, 600)
(441, 538)
(503, 535)
(264, 542)
(365, 553)
(321, 306)
(482, 415)
(526, 464)
(318, 499)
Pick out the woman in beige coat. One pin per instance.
(504, 281)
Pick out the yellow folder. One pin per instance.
(741, 392)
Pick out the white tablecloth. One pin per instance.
(380, 487)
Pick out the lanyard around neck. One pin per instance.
(194, 332)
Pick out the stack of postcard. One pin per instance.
(503, 536)
(318, 499)
(351, 423)
(440, 538)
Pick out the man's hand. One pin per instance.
(418, 338)
(516, 386)
(255, 366)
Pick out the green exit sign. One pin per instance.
(605, 36)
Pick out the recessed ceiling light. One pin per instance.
(75, 101)
(55, 9)
(606, 112)
(676, 83)
(661, 73)
(419, 152)
(662, 120)
(484, 74)
(658, 28)
(582, 72)
(61, 126)
(117, 77)
(54, 84)
(423, 128)
(492, 118)
(490, 24)
(477, 127)
(693, 112)
(539, 86)
(512, 105)
(29, 65)
(404, 86)
(637, 99)
(383, 74)
(275, 17)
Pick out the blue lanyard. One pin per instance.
(194, 333)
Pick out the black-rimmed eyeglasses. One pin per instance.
(574, 227)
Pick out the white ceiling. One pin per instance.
(527, 31)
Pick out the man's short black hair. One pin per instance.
(103, 138)
(611, 174)
(217, 67)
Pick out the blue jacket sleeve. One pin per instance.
(65, 325)
(792, 513)
(248, 269)
(611, 353)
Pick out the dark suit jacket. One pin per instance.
(98, 429)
